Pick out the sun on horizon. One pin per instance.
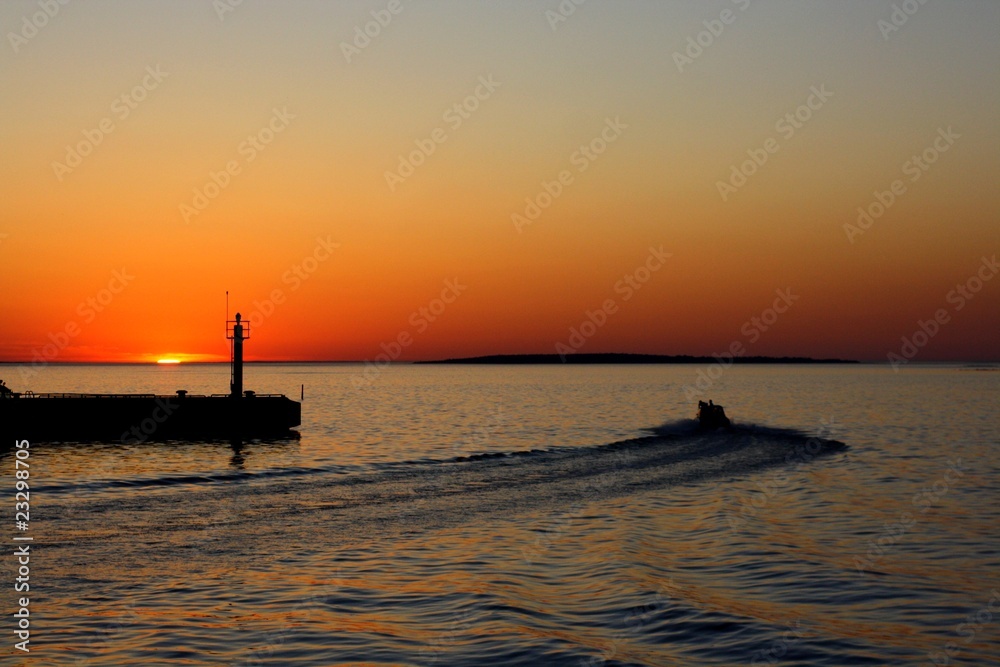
(175, 358)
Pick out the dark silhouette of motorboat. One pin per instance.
(712, 416)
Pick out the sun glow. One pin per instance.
(168, 361)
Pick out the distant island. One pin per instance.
(624, 358)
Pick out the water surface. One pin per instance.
(530, 515)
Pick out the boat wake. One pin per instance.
(671, 447)
(399, 499)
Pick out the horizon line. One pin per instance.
(693, 359)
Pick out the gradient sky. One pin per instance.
(64, 235)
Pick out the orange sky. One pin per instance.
(308, 213)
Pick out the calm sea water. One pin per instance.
(529, 515)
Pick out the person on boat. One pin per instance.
(4, 389)
(711, 415)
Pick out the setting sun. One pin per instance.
(168, 361)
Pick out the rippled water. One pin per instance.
(530, 515)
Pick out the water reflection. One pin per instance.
(237, 461)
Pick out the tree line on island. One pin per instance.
(627, 358)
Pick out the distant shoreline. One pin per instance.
(625, 358)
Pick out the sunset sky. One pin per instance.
(376, 210)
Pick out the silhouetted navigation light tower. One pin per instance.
(237, 332)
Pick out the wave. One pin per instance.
(672, 451)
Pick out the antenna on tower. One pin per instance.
(232, 351)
